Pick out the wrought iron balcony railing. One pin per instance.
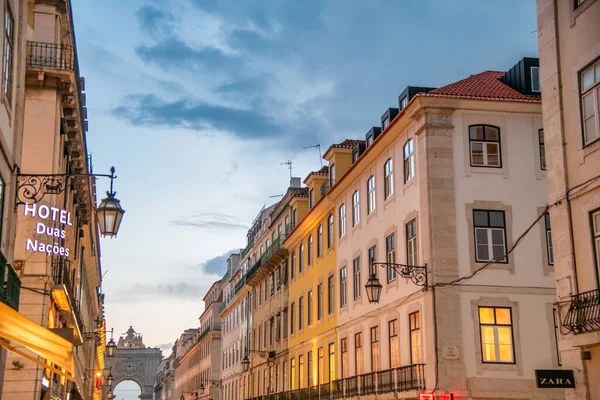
(209, 328)
(10, 285)
(584, 313)
(50, 55)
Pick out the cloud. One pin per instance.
(148, 109)
(166, 346)
(210, 220)
(155, 21)
(217, 265)
(177, 290)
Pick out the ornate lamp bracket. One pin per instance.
(416, 273)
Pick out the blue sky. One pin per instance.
(197, 102)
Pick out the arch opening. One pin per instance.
(127, 390)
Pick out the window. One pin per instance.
(320, 302)
(320, 369)
(358, 354)
(356, 264)
(535, 79)
(385, 124)
(309, 374)
(590, 100)
(596, 230)
(330, 231)
(310, 252)
(292, 317)
(579, 2)
(311, 198)
(371, 204)
(542, 149)
(411, 242)
(293, 373)
(293, 269)
(294, 217)
(301, 371)
(373, 257)
(342, 223)
(355, 208)
(9, 37)
(388, 178)
(301, 258)
(285, 323)
(331, 362)
(320, 241)
(310, 308)
(414, 324)
(343, 287)
(344, 346)
(300, 313)
(495, 324)
(331, 175)
(394, 344)
(375, 356)
(490, 236)
(409, 161)
(1, 204)
(369, 140)
(390, 250)
(549, 239)
(484, 145)
(330, 295)
(404, 102)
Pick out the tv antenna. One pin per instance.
(318, 146)
(276, 195)
(289, 164)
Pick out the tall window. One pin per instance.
(375, 355)
(285, 322)
(390, 251)
(320, 302)
(293, 267)
(331, 175)
(320, 241)
(292, 317)
(330, 231)
(331, 362)
(496, 335)
(490, 235)
(542, 149)
(320, 366)
(596, 230)
(311, 198)
(409, 161)
(294, 217)
(285, 375)
(356, 264)
(414, 325)
(309, 318)
(330, 295)
(309, 372)
(301, 371)
(9, 37)
(310, 250)
(394, 344)
(484, 144)
(556, 319)
(549, 239)
(342, 223)
(1, 204)
(301, 258)
(355, 208)
(388, 178)
(371, 203)
(343, 287)
(345, 366)
(358, 354)
(590, 102)
(411, 242)
(535, 79)
(373, 257)
(300, 313)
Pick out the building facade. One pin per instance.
(569, 46)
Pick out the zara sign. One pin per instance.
(554, 378)
(46, 229)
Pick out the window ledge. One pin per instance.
(589, 148)
(576, 11)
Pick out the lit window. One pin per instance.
(320, 302)
(310, 250)
(490, 235)
(411, 242)
(344, 346)
(343, 298)
(409, 161)
(394, 344)
(484, 144)
(535, 79)
(549, 239)
(330, 289)
(542, 149)
(371, 195)
(388, 178)
(309, 318)
(342, 223)
(375, 356)
(356, 265)
(330, 231)
(496, 334)
(390, 250)
(355, 208)
(414, 324)
(358, 354)
(331, 362)
(590, 102)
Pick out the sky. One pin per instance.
(198, 102)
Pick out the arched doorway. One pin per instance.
(127, 390)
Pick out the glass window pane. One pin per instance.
(587, 79)
(590, 130)
(477, 153)
(480, 218)
(498, 245)
(476, 132)
(497, 219)
(493, 154)
(597, 223)
(503, 316)
(504, 335)
(588, 105)
(506, 354)
(486, 315)
(492, 133)
(597, 68)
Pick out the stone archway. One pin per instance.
(133, 361)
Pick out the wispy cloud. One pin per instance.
(179, 290)
(210, 220)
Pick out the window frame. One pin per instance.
(490, 243)
(485, 141)
(393, 338)
(548, 237)
(411, 242)
(293, 265)
(539, 88)
(8, 58)
(292, 318)
(343, 287)
(390, 257)
(330, 231)
(371, 197)
(309, 308)
(409, 160)
(331, 175)
(2, 204)
(355, 208)
(375, 349)
(301, 258)
(372, 251)
(311, 198)
(342, 219)
(356, 278)
(388, 178)
(414, 330)
(512, 334)
(330, 294)
(320, 241)
(542, 149)
(300, 312)
(595, 235)
(358, 346)
(320, 302)
(309, 252)
(594, 91)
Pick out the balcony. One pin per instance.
(222, 307)
(52, 56)
(63, 291)
(247, 249)
(272, 257)
(402, 379)
(584, 313)
(10, 285)
(208, 329)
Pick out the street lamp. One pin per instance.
(110, 213)
(182, 396)
(269, 355)
(109, 393)
(111, 346)
(202, 389)
(416, 273)
(110, 378)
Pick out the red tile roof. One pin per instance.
(323, 171)
(483, 86)
(346, 144)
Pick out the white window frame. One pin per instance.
(549, 247)
(409, 160)
(371, 200)
(355, 208)
(343, 283)
(593, 91)
(390, 256)
(342, 217)
(388, 178)
(533, 89)
(596, 234)
(542, 147)
(411, 242)
(8, 53)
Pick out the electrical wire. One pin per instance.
(45, 293)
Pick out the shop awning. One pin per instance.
(43, 342)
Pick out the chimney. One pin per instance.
(295, 182)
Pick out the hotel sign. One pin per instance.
(554, 378)
(45, 229)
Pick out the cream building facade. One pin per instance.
(569, 45)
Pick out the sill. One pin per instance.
(577, 10)
(498, 363)
(371, 215)
(590, 148)
(355, 228)
(409, 183)
(390, 199)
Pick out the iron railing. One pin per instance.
(584, 313)
(288, 229)
(222, 307)
(209, 328)
(61, 275)
(247, 249)
(410, 377)
(273, 248)
(324, 188)
(239, 285)
(50, 55)
(10, 285)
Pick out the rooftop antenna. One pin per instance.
(276, 195)
(289, 164)
(318, 146)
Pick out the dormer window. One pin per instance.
(404, 102)
(332, 175)
(369, 140)
(385, 123)
(535, 79)
(355, 156)
(311, 198)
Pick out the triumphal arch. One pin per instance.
(133, 361)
